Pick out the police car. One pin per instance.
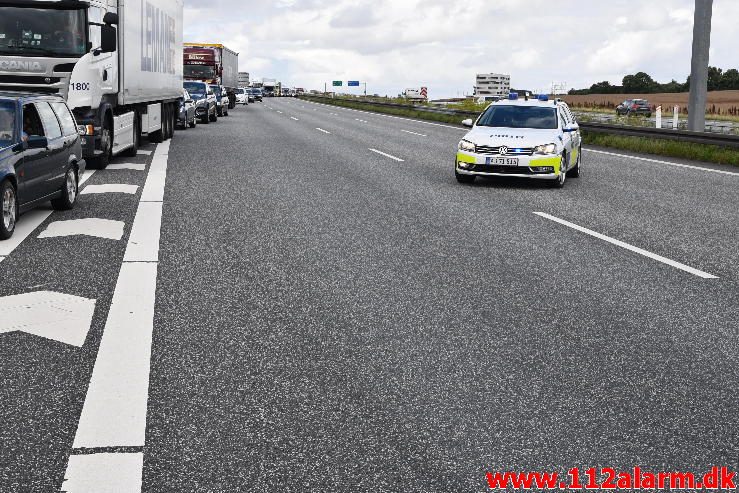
(524, 138)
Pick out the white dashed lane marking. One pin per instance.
(56, 316)
(626, 246)
(110, 188)
(387, 155)
(99, 228)
(131, 166)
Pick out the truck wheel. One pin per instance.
(9, 209)
(133, 150)
(167, 120)
(106, 146)
(69, 192)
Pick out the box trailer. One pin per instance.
(118, 63)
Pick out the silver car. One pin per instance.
(188, 115)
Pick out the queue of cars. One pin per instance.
(41, 157)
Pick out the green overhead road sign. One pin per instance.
(338, 83)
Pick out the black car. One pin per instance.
(40, 155)
(258, 95)
(634, 107)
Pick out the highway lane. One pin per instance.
(44, 381)
(661, 208)
(330, 319)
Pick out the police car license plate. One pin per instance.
(502, 161)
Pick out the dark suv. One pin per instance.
(634, 107)
(40, 155)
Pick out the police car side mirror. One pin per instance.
(467, 122)
(571, 128)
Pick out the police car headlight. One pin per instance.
(466, 145)
(546, 149)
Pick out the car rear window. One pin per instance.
(510, 116)
(7, 123)
(51, 124)
(69, 127)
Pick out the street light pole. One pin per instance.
(699, 66)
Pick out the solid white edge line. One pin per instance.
(387, 155)
(627, 246)
(322, 130)
(413, 133)
(293, 118)
(115, 408)
(659, 161)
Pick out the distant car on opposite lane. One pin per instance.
(40, 156)
(634, 107)
(538, 139)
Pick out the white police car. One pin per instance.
(534, 138)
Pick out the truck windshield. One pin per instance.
(510, 116)
(7, 123)
(199, 72)
(42, 32)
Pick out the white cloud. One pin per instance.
(442, 44)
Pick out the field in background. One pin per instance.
(724, 103)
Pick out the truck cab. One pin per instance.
(117, 80)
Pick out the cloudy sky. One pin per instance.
(442, 44)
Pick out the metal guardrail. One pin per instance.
(725, 140)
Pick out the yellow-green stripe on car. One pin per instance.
(464, 158)
(554, 162)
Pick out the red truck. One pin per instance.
(214, 64)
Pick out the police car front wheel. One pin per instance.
(559, 182)
(464, 178)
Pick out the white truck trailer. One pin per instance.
(118, 63)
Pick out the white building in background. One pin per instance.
(243, 79)
(492, 85)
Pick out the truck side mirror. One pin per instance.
(110, 18)
(108, 39)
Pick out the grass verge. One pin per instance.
(667, 148)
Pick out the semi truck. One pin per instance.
(416, 94)
(213, 63)
(118, 63)
(269, 86)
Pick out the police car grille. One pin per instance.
(512, 151)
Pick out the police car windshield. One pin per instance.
(7, 123)
(511, 116)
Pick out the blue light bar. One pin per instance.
(543, 97)
(513, 96)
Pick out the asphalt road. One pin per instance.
(330, 318)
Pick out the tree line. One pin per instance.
(643, 83)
